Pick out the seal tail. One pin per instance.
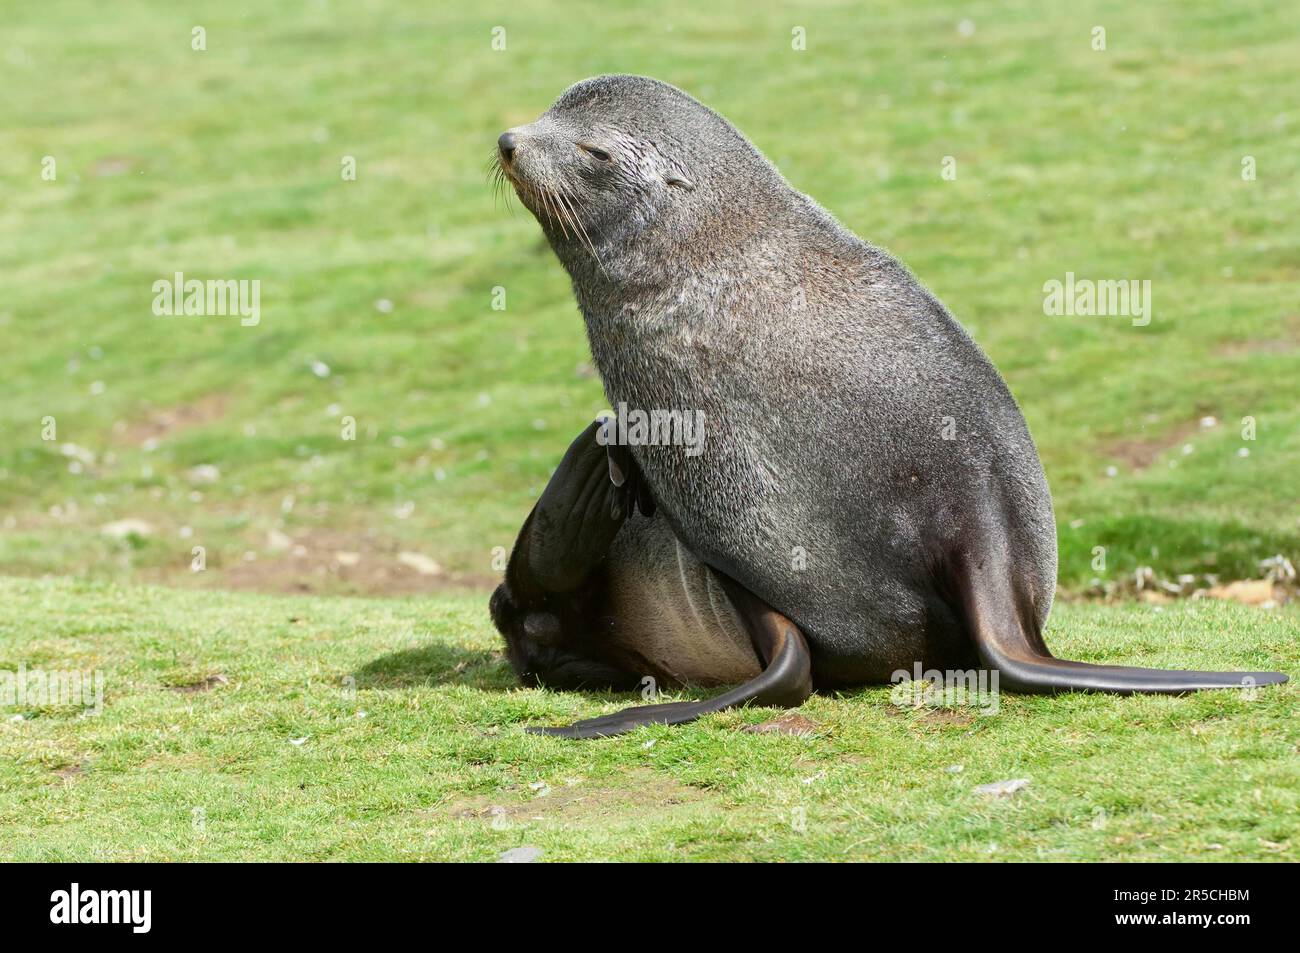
(1007, 637)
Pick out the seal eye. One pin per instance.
(595, 153)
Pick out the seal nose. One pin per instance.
(507, 145)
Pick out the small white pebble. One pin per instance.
(1002, 788)
(520, 855)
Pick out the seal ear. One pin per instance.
(675, 175)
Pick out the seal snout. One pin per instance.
(506, 144)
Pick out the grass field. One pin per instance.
(272, 727)
(126, 156)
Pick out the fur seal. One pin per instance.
(869, 489)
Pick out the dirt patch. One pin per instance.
(1266, 346)
(791, 723)
(1138, 453)
(113, 166)
(170, 420)
(1251, 592)
(1278, 584)
(335, 562)
(925, 717)
(640, 793)
(1287, 343)
(202, 685)
(947, 717)
(318, 561)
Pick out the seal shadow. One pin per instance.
(437, 664)
(484, 669)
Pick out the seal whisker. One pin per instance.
(557, 205)
(571, 201)
(566, 207)
(548, 201)
(497, 179)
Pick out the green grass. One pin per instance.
(414, 732)
(226, 163)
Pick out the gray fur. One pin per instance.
(823, 368)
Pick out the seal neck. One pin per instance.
(640, 264)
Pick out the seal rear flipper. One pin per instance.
(1008, 640)
(786, 680)
(1050, 675)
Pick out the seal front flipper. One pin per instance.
(577, 517)
(1001, 622)
(553, 607)
(786, 680)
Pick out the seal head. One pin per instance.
(618, 156)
